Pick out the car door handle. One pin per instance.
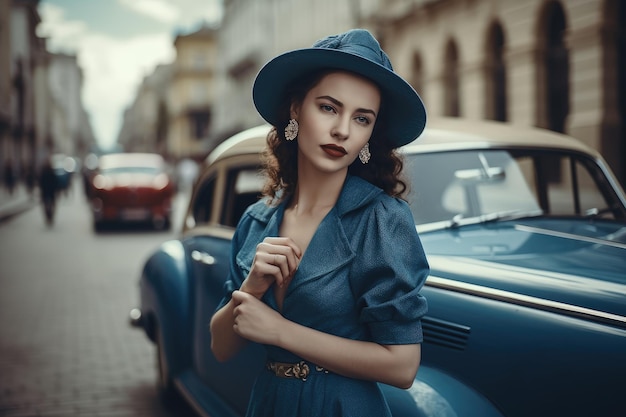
(203, 257)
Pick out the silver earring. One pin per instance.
(364, 154)
(291, 131)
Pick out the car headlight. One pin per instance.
(160, 181)
(101, 182)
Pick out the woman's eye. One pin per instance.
(326, 107)
(363, 120)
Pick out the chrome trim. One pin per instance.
(220, 232)
(606, 170)
(571, 236)
(202, 257)
(527, 301)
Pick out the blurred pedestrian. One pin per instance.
(9, 177)
(48, 188)
(326, 270)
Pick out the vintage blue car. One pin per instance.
(525, 232)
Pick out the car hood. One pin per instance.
(576, 263)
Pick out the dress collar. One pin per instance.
(355, 193)
(329, 242)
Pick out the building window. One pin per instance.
(199, 121)
(451, 81)
(417, 78)
(553, 69)
(495, 75)
(200, 60)
(620, 87)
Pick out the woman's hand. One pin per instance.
(276, 260)
(255, 320)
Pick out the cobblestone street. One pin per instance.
(66, 348)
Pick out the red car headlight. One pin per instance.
(101, 182)
(160, 181)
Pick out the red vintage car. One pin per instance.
(132, 187)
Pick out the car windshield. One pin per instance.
(472, 186)
(147, 170)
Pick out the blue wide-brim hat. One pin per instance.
(357, 51)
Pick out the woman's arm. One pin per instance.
(391, 364)
(225, 343)
(276, 261)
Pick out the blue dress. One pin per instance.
(359, 278)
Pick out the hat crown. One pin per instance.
(359, 42)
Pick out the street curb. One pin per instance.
(15, 209)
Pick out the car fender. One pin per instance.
(166, 299)
(437, 394)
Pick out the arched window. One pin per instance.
(553, 69)
(613, 136)
(621, 87)
(417, 75)
(495, 75)
(452, 106)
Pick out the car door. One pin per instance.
(216, 209)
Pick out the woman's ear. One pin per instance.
(293, 111)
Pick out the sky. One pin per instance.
(118, 43)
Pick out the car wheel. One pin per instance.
(161, 223)
(165, 386)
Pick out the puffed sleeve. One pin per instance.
(236, 274)
(389, 273)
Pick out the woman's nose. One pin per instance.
(341, 130)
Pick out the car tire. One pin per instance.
(161, 223)
(165, 385)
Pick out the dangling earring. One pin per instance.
(364, 154)
(291, 131)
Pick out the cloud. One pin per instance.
(62, 34)
(114, 64)
(113, 71)
(113, 68)
(194, 10)
(160, 10)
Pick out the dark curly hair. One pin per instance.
(280, 162)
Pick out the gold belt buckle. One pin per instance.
(298, 370)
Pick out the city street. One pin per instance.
(66, 348)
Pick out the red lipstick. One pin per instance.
(334, 150)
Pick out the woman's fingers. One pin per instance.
(284, 241)
(285, 254)
(253, 319)
(276, 261)
(273, 264)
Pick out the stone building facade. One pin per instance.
(252, 32)
(26, 54)
(557, 64)
(63, 116)
(173, 109)
(553, 64)
(191, 93)
(145, 122)
(40, 106)
(5, 73)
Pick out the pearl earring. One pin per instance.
(291, 131)
(364, 154)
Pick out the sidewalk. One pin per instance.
(15, 203)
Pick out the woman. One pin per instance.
(326, 270)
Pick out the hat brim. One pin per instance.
(404, 114)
